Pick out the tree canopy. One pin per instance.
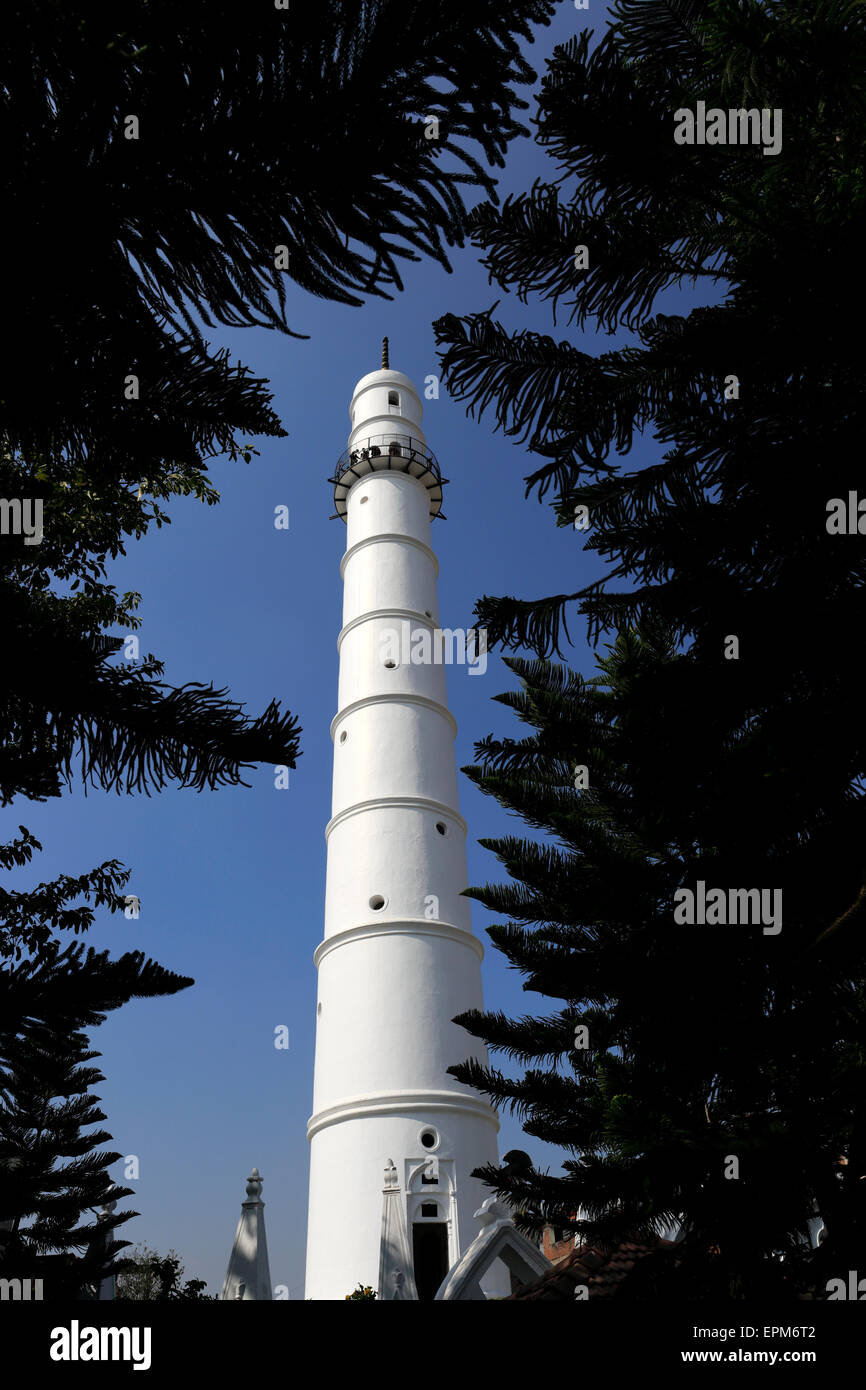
(728, 747)
(52, 1167)
(153, 1278)
(167, 178)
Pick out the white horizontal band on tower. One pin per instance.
(394, 419)
(412, 615)
(409, 803)
(390, 536)
(407, 926)
(405, 699)
(397, 1103)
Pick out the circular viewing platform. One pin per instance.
(382, 453)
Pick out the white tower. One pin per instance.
(399, 958)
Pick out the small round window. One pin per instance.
(429, 1138)
(343, 736)
(377, 902)
(442, 827)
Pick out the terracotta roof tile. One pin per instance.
(603, 1271)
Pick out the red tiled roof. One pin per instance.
(603, 1271)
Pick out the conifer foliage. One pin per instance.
(171, 171)
(53, 1172)
(157, 161)
(726, 743)
(701, 1043)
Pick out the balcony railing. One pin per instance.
(381, 453)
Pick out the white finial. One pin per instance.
(248, 1262)
(490, 1210)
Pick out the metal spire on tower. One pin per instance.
(385, 363)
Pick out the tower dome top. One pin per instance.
(387, 377)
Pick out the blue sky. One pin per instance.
(232, 882)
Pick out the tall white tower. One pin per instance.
(399, 958)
